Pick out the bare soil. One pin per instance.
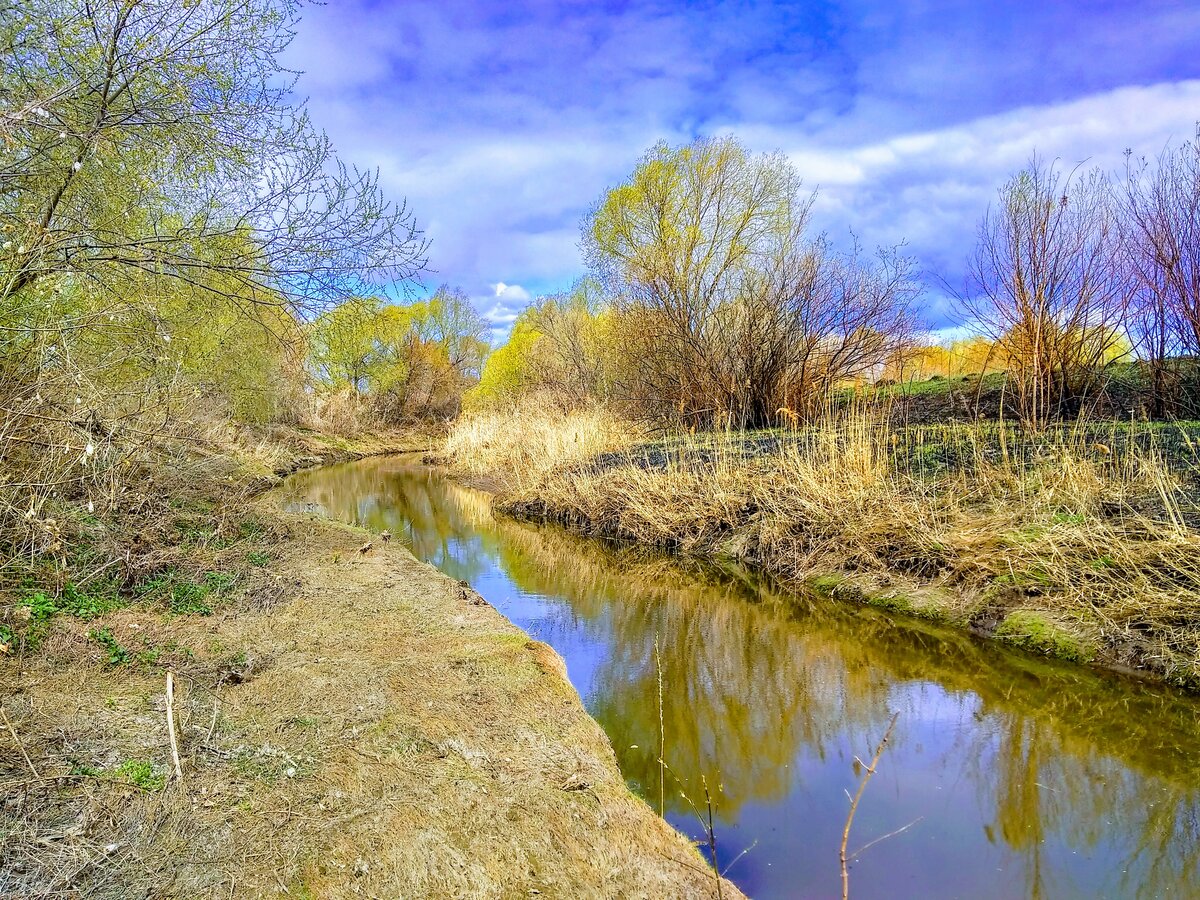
(366, 727)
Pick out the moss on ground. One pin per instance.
(1037, 633)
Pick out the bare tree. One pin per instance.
(816, 318)
(1161, 231)
(1047, 285)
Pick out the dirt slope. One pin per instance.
(379, 731)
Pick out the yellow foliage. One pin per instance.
(507, 371)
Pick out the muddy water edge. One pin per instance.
(1007, 776)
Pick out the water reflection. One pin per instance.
(1024, 778)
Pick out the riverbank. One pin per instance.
(769, 696)
(1080, 544)
(347, 722)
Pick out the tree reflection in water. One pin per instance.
(1029, 778)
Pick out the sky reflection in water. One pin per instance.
(1023, 778)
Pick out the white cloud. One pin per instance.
(501, 307)
(929, 189)
(501, 130)
(510, 293)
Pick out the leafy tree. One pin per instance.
(508, 371)
(450, 320)
(560, 346)
(726, 310)
(574, 356)
(168, 216)
(360, 344)
(968, 356)
(414, 360)
(154, 136)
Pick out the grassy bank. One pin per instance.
(1081, 543)
(167, 527)
(346, 723)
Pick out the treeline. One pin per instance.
(378, 362)
(711, 301)
(180, 246)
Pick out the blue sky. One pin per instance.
(503, 122)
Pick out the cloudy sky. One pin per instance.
(502, 122)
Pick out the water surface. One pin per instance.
(1009, 775)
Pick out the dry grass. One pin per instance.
(516, 447)
(380, 731)
(1069, 547)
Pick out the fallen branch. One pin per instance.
(20, 746)
(884, 837)
(212, 726)
(712, 836)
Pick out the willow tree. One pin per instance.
(410, 361)
(162, 137)
(571, 361)
(726, 308)
(450, 320)
(156, 164)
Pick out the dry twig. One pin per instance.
(862, 786)
(171, 725)
(20, 746)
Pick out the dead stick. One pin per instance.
(712, 837)
(171, 725)
(862, 786)
(212, 726)
(884, 837)
(20, 746)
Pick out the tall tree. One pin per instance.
(450, 320)
(1161, 230)
(162, 137)
(727, 309)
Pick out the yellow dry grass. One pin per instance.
(1097, 551)
(517, 446)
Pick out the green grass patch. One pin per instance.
(117, 655)
(893, 602)
(141, 773)
(187, 596)
(1036, 633)
(73, 601)
(251, 529)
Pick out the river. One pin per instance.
(1007, 775)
